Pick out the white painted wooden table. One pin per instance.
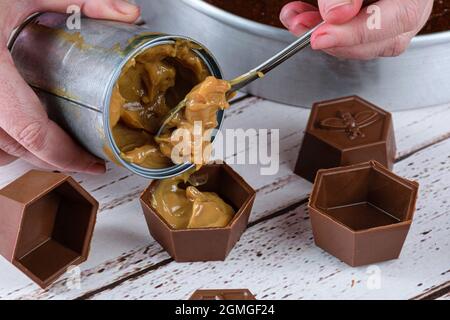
(276, 257)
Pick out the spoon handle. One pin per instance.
(267, 66)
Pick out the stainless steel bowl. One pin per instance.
(418, 78)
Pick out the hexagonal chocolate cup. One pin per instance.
(223, 294)
(343, 132)
(46, 224)
(361, 214)
(209, 244)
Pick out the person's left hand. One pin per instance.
(26, 132)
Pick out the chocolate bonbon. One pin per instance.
(204, 244)
(345, 131)
(223, 294)
(46, 224)
(361, 214)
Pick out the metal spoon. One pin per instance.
(254, 74)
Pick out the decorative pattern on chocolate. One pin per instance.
(350, 124)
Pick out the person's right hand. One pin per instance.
(346, 34)
(25, 130)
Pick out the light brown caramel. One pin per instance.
(149, 87)
(202, 105)
(189, 208)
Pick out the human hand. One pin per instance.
(25, 130)
(346, 34)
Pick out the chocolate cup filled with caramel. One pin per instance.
(343, 132)
(46, 224)
(207, 243)
(361, 214)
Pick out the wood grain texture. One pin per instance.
(123, 252)
(435, 292)
(277, 258)
(445, 297)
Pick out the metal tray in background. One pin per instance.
(418, 78)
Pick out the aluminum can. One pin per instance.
(73, 72)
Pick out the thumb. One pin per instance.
(120, 10)
(339, 11)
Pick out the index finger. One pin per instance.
(396, 17)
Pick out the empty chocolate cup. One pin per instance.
(361, 214)
(209, 244)
(343, 132)
(223, 294)
(46, 224)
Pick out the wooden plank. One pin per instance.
(420, 128)
(436, 292)
(121, 245)
(277, 258)
(445, 297)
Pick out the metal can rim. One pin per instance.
(17, 30)
(174, 170)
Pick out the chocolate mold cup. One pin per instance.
(46, 224)
(223, 294)
(73, 72)
(343, 132)
(361, 214)
(208, 244)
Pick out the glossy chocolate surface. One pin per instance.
(268, 12)
(206, 244)
(348, 123)
(362, 213)
(345, 131)
(224, 294)
(46, 224)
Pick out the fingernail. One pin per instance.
(323, 41)
(124, 7)
(286, 17)
(298, 29)
(333, 4)
(97, 168)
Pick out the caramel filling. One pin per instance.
(149, 87)
(193, 128)
(189, 208)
